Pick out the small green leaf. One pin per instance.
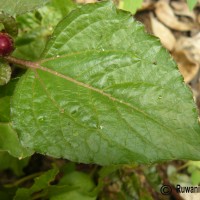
(78, 179)
(35, 28)
(16, 7)
(5, 73)
(74, 185)
(9, 162)
(194, 163)
(191, 3)
(105, 171)
(106, 92)
(32, 38)
(130, 5)
(32, 50)
(40, 185)
(9, 141)
(195, 177)
(10, 24)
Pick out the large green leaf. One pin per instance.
(13, 7)
(9, 140)
(106, 92)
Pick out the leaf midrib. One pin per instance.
(37, 66)
(102, 135)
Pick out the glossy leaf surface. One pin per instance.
(106, 92)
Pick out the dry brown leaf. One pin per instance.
(85, 1)
(147, 5)
(181, 8)
(190, 196)
(144, 17)
(167, 38)
(198, 18)
(187, 68)
(187, 55)
(165, 14)
(191, 45)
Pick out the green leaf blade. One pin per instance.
(106, 92)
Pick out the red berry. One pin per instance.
(6, 44)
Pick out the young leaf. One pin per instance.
(10, 24)
(106, 92)
(40, 185)
(130, 5)
(9, 142)
(35, 28)
(9, 162)
(191, 3)
(16, 7)
(74, 185)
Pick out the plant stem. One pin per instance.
(182, 167)
(21, 63)
(22, 180)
